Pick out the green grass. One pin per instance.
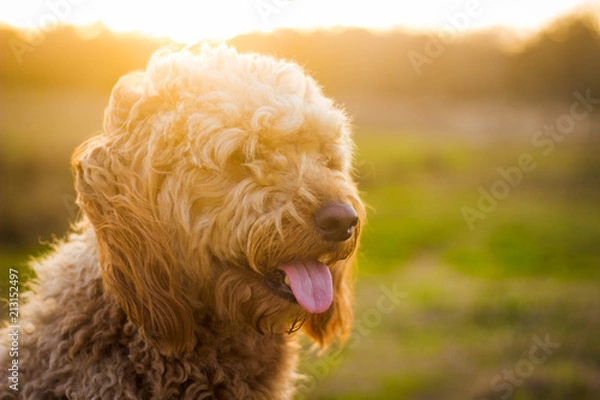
(474, 298)
(549, 224)
(453, 333)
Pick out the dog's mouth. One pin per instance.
(308, 283)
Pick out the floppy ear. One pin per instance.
(134, 249)
(336, 322)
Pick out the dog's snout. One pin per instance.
(336, 221)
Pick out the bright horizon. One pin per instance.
(191, 21)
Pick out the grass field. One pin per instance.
(507, 306)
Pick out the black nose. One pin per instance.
(336, 221)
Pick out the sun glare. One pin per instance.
(190, 21)
(185, 21)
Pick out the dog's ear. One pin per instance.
(336, 322)
(134, 249)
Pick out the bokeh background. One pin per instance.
(478, 152)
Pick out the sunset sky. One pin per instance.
(193, 20)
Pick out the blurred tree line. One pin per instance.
(62, 67)
(560, 59)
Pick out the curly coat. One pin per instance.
(203, 183)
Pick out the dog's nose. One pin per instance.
(336, 221)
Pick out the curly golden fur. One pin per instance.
(205, 181)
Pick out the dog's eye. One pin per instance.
(334, 156)
(333, 164)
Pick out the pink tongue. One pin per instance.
(311, 284)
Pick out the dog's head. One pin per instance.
(222, 187)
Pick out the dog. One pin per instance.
(219, 217)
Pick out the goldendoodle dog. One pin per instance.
(220, 216)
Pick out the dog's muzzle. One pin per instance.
(336, 221)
